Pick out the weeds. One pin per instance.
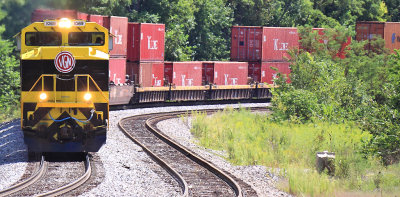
(10, 113)
(254, 139)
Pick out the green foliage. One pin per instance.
(301, 182)
(9, 83)
(251, 12)
(254, 139)
(178, 15)
(302, 104)
(363, 87)
(393, 9)
(8, 13)
(209, 37)
(317, 13)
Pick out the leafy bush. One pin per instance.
(363, 87)
(300, 103)
(9, 81)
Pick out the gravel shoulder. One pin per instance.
(13, 154)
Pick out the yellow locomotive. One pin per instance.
(64, 85)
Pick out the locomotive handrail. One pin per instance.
(89, 78)
(95, 84)
(41, 76)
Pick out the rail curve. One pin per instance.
(27, 182)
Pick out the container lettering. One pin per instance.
(151, 45)
(283, 46)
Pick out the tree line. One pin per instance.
(200, 29)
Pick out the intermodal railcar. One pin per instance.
(64, 85)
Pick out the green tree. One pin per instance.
(210, 37)
(9, 75)
(393, 8)
(179, 19)
(10, 11)
(251, 12)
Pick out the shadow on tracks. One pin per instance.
(12, 147)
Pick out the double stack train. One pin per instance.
(73, 69)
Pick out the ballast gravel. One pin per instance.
(13, 154)
(128, 170)
(258, 177)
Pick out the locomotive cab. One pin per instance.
(64, 85)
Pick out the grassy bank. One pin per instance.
(10, 113)
(253, 139)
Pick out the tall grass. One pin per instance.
(252, 139)
(9, 113)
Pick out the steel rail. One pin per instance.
(160, 161)
(222, 175)
(66, 188)
(208, 165)
(29, 181)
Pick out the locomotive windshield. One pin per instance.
(43, 38)
(86, 38)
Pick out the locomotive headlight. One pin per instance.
(87, 96)
(43, 96)
(65, 23)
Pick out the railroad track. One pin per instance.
(27, 182)
(41, 183)
(73, 185)
(196, 176)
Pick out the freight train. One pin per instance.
(73, 70)
(139, 74)
(64, 85)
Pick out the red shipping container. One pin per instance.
(83, 16)
(262, 43)
(389, 31)
(246, 43)
(263, 73)
(45, 14)
(118, 26)
(230, 73)
(96, 18)
(277, 41)
(146, 74)
(225, 73)
(183, 73)
(117, 67)
(146, 42)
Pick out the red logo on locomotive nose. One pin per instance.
(64, 62)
